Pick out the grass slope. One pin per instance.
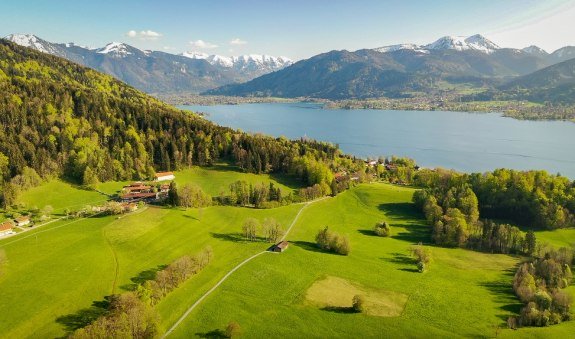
(55, 277)
(50, 283)
(60, 195)
(216, 179)
(464, 293)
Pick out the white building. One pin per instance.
(22, 221)
(164, 176)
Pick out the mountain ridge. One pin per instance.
(155, 71)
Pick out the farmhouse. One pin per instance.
(164, 176)
(6, 228)
(137, 187)
(281, 246)
(130, 197)
(22, 221)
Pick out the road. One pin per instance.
(191, 308)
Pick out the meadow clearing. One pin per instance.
(56, 278)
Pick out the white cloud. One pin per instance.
(203, 44)
(238, 41)
(144, 35)
(549, 32)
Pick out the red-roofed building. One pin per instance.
(6, 228)
(138, 196)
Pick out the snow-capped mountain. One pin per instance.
(154, 71)
(459, 43)
(564, 53)
(118, 50)
(32, 41)
(534, 50)
(252, 62)
(393, 48)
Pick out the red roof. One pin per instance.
(6, 226)
(23, 218)
(136, 188)
(138, 195)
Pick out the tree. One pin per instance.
(422, 256)
(232, 330)
(323, 239)
(4, 162)
(382, 229)
(358, 304)
(192, 195)
(272, 230)
(530, 242)
(90, 179)
(249, 228)
(173, 194)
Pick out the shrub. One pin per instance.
(333, 242)
(382, 229)
(358, 304)
(422, 256)
(233, 330)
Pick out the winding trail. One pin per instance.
(204, 296)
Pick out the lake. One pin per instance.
(469, 142)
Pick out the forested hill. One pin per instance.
(59, 118)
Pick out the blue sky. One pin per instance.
(294, 28)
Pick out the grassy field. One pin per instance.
(55, 274)
(60, 195)
(464, 293)
(216, 179)
(56, 277)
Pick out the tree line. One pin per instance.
(539, 284)
(130, 314)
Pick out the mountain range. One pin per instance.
(156, 71)
(447, 65)
(402, 70)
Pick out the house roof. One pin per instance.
(135, 188)
(6, 225)
(23, 218)
(283, 245)
(163, 174)
(137, 195)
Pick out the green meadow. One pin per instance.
(56, 278)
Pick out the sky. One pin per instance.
(297, 29)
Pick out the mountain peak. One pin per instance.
(399, 47)
(475, 42)
(34, 42)
(117, 49)
(461, 43)
(243, 62)
(534, 50)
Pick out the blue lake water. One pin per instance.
(469, 142)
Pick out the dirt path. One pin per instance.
(189, 310)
